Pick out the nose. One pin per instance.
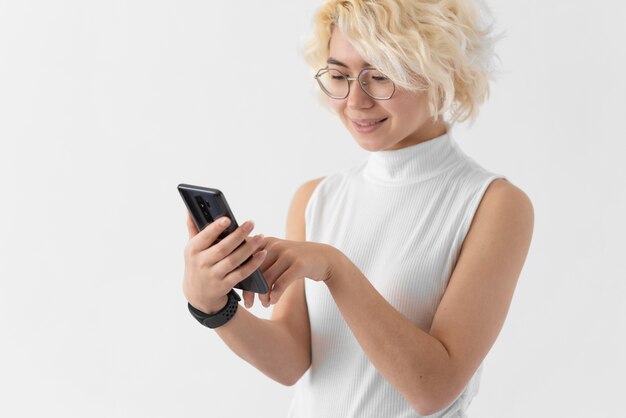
(357, 98)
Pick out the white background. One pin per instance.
(105, 106)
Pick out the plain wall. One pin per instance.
(105, 106)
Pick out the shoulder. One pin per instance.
(306, 190)
(295, 219)
(505, 215)
(505, 203)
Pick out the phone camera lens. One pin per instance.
(204, 207)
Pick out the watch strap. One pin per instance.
(220, 317)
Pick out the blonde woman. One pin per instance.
(397, 274)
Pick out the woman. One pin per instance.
(397, 274)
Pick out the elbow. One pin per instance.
(424, 407)
(428, 407)
(435, 398)
(425, 410)
(288, 382)
(291, 377)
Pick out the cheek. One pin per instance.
(408, 110)
(336, 106)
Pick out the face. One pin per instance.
(401, 121)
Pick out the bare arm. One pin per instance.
(431, 368)
(279, 347)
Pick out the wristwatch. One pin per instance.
(220, 317)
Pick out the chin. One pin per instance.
(370, 144)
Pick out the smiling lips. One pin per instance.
(367, 122)
(367, 125)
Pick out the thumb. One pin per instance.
(191, 227)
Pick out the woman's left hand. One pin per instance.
(287, 261)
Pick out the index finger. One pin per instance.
(205, 238)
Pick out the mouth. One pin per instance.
(367, 125)
(367, 122)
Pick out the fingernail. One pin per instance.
(224, 221)
(247, 226)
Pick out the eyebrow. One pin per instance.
(341, 64)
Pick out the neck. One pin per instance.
(426, 132)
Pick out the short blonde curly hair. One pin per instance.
(444, 47)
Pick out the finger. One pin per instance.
(234, 239)
(266, 242)
(191, 227)
(244, 270)
(274, 273)
(270, 272)
(282, 283)
(205, 238)
(239, 256)
(272, 253)
(248, 299)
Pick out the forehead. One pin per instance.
(341, 49)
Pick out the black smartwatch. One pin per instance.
(220, 317)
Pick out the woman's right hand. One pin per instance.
(211, 271)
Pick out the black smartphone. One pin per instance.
(205, 205)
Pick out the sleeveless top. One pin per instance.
(401, 217)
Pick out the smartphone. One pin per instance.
(205, 205)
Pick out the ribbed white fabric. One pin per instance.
(401, 216)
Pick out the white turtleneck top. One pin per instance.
(401, 217)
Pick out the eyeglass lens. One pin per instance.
(372, 81)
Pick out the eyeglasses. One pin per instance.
(337, 84)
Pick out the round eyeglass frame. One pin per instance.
(349, 81)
